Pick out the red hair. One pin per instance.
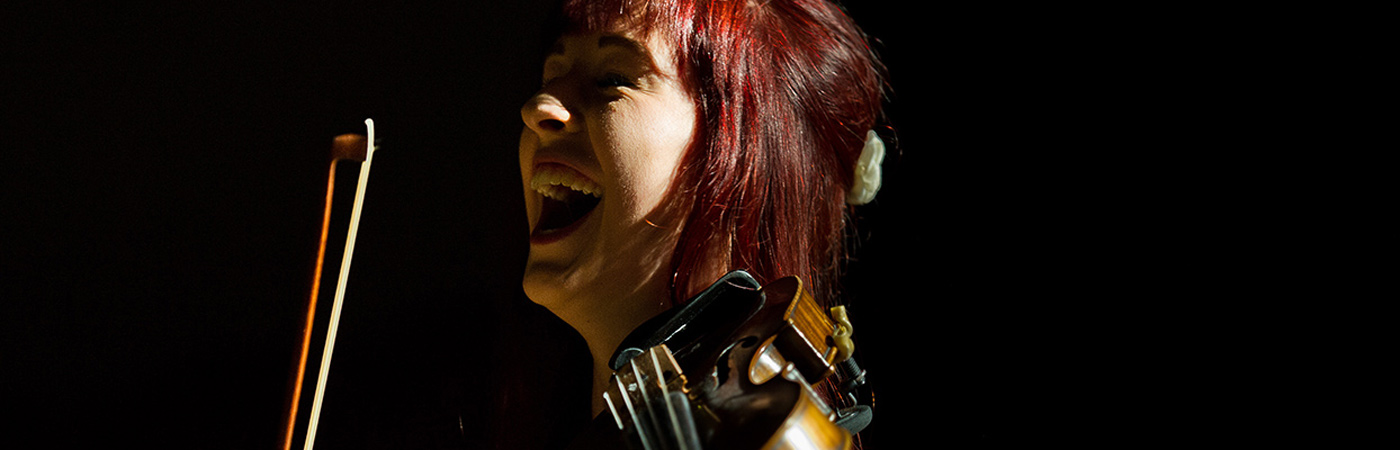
(786, 91)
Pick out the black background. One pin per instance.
(162, 191)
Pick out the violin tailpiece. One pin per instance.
(647, 399)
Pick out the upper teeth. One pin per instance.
(555, 182)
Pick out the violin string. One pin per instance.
(666, 396)
(340, 286)
(627, 395)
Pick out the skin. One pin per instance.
(613, 109)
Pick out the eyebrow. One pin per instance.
(610, 40)
(605, 41)
(619, 41)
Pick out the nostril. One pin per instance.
(552, 125)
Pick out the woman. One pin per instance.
(673, 141)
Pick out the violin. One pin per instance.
(734, 368)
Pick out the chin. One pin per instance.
(548, 288)
(590, 293)
(565, 289)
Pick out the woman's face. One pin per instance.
(602, 142)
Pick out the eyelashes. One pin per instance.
(613, 80)
(605, 81)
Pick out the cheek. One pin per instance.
(647, 152)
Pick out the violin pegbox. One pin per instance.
(805, 336)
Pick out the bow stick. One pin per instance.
(351, 147)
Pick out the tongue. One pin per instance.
(557, 214)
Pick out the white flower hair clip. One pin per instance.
(867, 179)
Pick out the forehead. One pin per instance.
(586, 42)
(655, 53)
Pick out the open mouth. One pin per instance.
(568, 196)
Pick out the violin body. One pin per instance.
(732, 369)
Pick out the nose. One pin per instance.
(546, 115)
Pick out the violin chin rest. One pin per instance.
(734, 298)
(855, 418)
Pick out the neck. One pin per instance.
(603, 330)
(602, 372)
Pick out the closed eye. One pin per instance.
(613, 80)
